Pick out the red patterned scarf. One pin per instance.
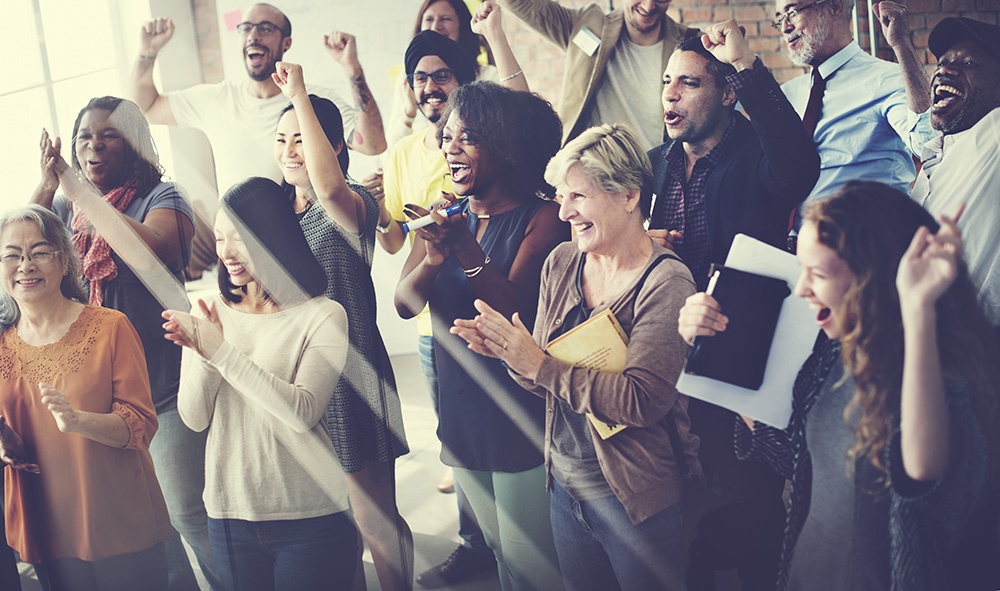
(93, 249)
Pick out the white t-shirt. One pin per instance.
(965, 166)
(241, 127)
(630, 91)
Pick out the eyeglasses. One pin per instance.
(265, 28)
(41, 257)
(791, 13)
(440, 77)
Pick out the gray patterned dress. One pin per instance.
(364, 418)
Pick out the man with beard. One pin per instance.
(962, 165)
(720, 175)
(239, 116)
(872, 115)
(613, 61)
(415, 172)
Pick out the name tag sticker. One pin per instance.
(587, 41)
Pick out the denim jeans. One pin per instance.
(601, 550)
(468, 527)
(179, 457)
(513, 509)
(288, 555)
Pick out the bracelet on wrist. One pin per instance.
(512, 76)
(470, 273)
(147, 57)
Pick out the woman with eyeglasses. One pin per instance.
(338, 219)
(892, 437)
(259, 361)
(82, 501)
(128, 224)
(497, 142)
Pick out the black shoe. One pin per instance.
(461, 565)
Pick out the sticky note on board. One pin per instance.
(232, 18)
(587, 41)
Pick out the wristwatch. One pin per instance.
(383, 229)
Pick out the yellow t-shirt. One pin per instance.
(414, 173)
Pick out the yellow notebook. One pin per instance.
(599, 343)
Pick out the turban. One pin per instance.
(430, 43)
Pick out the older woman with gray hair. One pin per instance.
(614, 501)
(76, 419)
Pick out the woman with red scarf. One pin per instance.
(132, 230)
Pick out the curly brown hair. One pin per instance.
(870, 226)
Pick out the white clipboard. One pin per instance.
(793, 342)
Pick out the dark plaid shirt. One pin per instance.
(682, 206)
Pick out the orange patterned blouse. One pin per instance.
(90, 501)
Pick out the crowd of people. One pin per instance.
(261, 425)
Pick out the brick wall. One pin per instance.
(207, 34)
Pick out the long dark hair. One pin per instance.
(282, 260)
(142, 162)
(54, 231)
(518, 127)
(870, 225)
(469, 41)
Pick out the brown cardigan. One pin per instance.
(638, 462)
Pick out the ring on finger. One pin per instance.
(504, 344)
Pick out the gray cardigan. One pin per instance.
(638, 462)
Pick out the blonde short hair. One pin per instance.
(611, 155)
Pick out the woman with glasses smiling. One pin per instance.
(76, 420)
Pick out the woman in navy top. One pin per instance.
(497, 143)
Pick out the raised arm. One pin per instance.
(894, 20)
(791, 164)
(329, 186)
(927, 269)
(547, 18)
(486, 22)
(368, 135)
(165, 232)
(152, 37)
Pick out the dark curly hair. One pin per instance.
(870, 226)
(520, 128)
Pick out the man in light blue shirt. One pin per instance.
(874, 114)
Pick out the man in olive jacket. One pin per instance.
(613, 61)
